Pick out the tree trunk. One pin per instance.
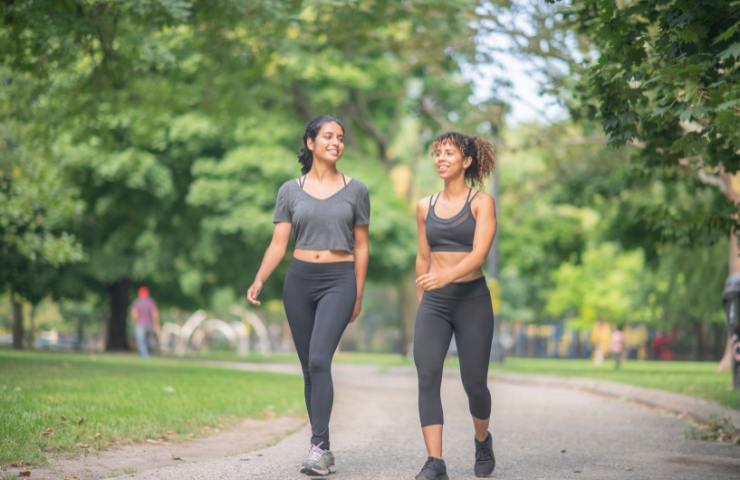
(80, 334)
(726, 362)
(718, 338)
(119, 299)
(732, 191)
(31, 333)
(699, 335)
(17, 321)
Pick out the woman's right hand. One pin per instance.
(253, 292)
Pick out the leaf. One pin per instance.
(48, 432)
(727, 34)
(728, 105)
(731, 51)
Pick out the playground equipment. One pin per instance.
(199, 328)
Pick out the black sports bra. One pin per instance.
(454, 234)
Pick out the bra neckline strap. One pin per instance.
(302, 180)
(467, 198)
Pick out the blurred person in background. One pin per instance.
(145, 314)
(616, 346)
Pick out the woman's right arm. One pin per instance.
(273, 255)
(423, 253)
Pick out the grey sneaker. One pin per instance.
(485, 462)
(433, 469)
(318, 462)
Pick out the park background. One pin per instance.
(143, 142)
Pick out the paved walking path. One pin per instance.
(541, 431)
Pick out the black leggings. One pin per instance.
(319, 299)
(465, 310)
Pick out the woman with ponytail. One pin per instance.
(323, 289)
(456, 228)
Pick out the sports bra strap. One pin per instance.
(302, 180)
(476, 193)
(432, 198)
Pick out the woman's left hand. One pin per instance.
(432, 281)
(356, 310)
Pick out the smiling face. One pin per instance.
(448, 160)
(329, 143)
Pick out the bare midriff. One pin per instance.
(323, 256)
(445, 261)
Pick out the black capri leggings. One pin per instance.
(463, 309)
(318, 299)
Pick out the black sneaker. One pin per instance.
(433, 469)
(485, 462)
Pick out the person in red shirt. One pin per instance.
(145, 314)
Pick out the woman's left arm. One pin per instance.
(362, 256)
(485, 231)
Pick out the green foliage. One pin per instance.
(171, 123)
(606, 286)
(578, 238)
(687, 286)
(667, 78)
(548, 211)
(35, 208)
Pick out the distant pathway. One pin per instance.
(540, 432)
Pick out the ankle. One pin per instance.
(484, 439)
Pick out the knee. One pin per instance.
(429, 379)
(319, 364)
(477, 389)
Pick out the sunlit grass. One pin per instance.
(94, 401)
(697, 379)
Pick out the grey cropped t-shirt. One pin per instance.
(326, 224)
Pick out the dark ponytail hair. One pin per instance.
(305, 156)
(480, 150)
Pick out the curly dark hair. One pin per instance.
(480, 150)
(305, 156)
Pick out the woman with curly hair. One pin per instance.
(456, 228)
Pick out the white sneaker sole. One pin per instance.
(317, 471)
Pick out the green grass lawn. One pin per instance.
(93, 401)
(357, 358)
(85, 401)
(697, 379)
